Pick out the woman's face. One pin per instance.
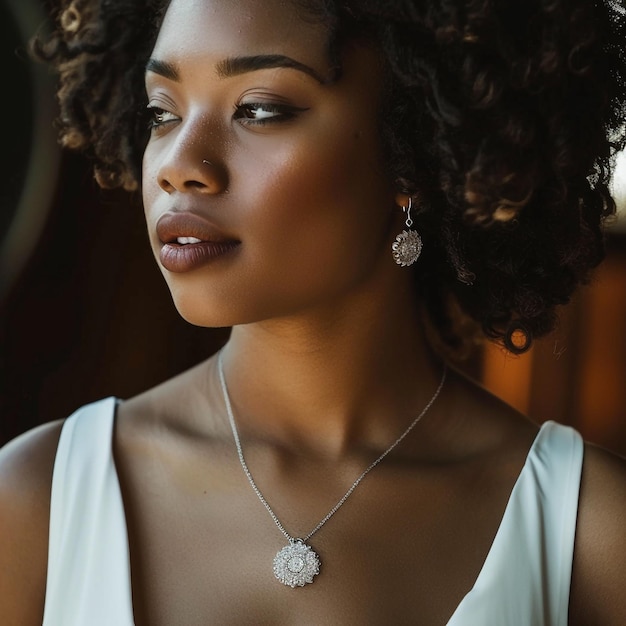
(263, 181)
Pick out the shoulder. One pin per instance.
(26, 465)
(599, 571)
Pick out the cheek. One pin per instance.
(327, 186)
(315, 196)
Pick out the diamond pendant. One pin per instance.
(407, 248)
(296, 564)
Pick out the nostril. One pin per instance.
(196, 184)
(166, 185)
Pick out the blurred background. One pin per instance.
(84, 312)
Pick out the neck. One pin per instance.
(356, 375)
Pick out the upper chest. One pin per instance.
(406, 547)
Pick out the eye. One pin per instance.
(261, 113)
(158, 117)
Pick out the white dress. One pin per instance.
(524, 581)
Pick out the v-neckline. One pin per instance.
(502, 525)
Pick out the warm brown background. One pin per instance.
(577, 375)
(90, 316)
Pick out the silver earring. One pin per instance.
(407, 247)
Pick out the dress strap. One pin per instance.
(88, 579)
(527, 574)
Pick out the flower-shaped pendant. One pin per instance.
(407, 248)
(296, 564)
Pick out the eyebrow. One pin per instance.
(235, 66)
(163, 68)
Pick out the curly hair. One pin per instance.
(502, 117)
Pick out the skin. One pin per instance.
(322, 367)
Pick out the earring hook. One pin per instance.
(407, 210)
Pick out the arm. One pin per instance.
(598, 593)
(25, 480)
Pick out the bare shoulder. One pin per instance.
(26, 465)
(599, 571)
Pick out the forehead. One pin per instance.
(200, 28)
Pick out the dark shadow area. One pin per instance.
(91, 315)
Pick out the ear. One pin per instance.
(402, 199)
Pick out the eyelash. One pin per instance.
(283, 113)
(243, 112)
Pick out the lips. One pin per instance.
(172, 226)
(190, 241)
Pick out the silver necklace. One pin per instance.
(297, 563)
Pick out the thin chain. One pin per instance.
(355, 484)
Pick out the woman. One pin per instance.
(294, 150)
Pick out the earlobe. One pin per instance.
(402, 199)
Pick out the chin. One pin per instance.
(214, 311)
(202, 312)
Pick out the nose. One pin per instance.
(192, 165)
